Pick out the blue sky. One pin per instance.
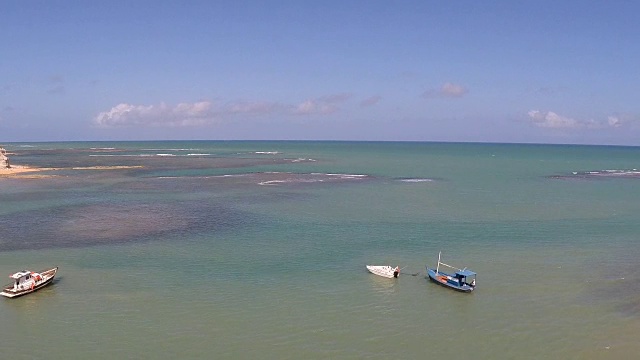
(486, 71)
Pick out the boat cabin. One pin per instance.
(24, 279)
(465, 276)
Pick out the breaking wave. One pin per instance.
(632, 173)
(146, 155)
(279, 178)
(415, 180)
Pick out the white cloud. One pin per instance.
(204, 112)
(623, 120)
(199, 109)
(313, 107)
(184, 114)
(552, 120)
(614, 121)
(447, 90)
(321, 106)
(592, 124)
(453, 90)
(256, 108)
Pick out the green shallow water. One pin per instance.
(175, 260)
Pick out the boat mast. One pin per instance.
(438, 267)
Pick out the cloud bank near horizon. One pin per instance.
(206, 112)
(552, 120)
(183, 114)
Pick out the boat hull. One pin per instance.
(47, 279)
(382, 270)
(448, 281)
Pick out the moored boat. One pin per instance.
(384, 270)
(26, 282)
(463, 280)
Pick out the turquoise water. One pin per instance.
(235, 250)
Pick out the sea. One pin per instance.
(257, 250)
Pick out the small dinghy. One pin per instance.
(384, 270)
(27, 282)
(463, 280)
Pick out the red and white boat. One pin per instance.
(26, 282)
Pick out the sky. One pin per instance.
(563, 72)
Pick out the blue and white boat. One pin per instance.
(463, 280)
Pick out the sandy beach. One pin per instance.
(33, 172)
(19, 169)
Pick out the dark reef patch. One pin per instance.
(115, 223)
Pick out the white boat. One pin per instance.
(384, 270)
(26, 282)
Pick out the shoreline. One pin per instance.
(33, 172)
(19, 169)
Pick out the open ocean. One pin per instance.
(257, 250)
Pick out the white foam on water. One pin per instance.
(611, 172)
(301, 160)
(273, 182)
(417, 180)
(122, 155)
(344, 176)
